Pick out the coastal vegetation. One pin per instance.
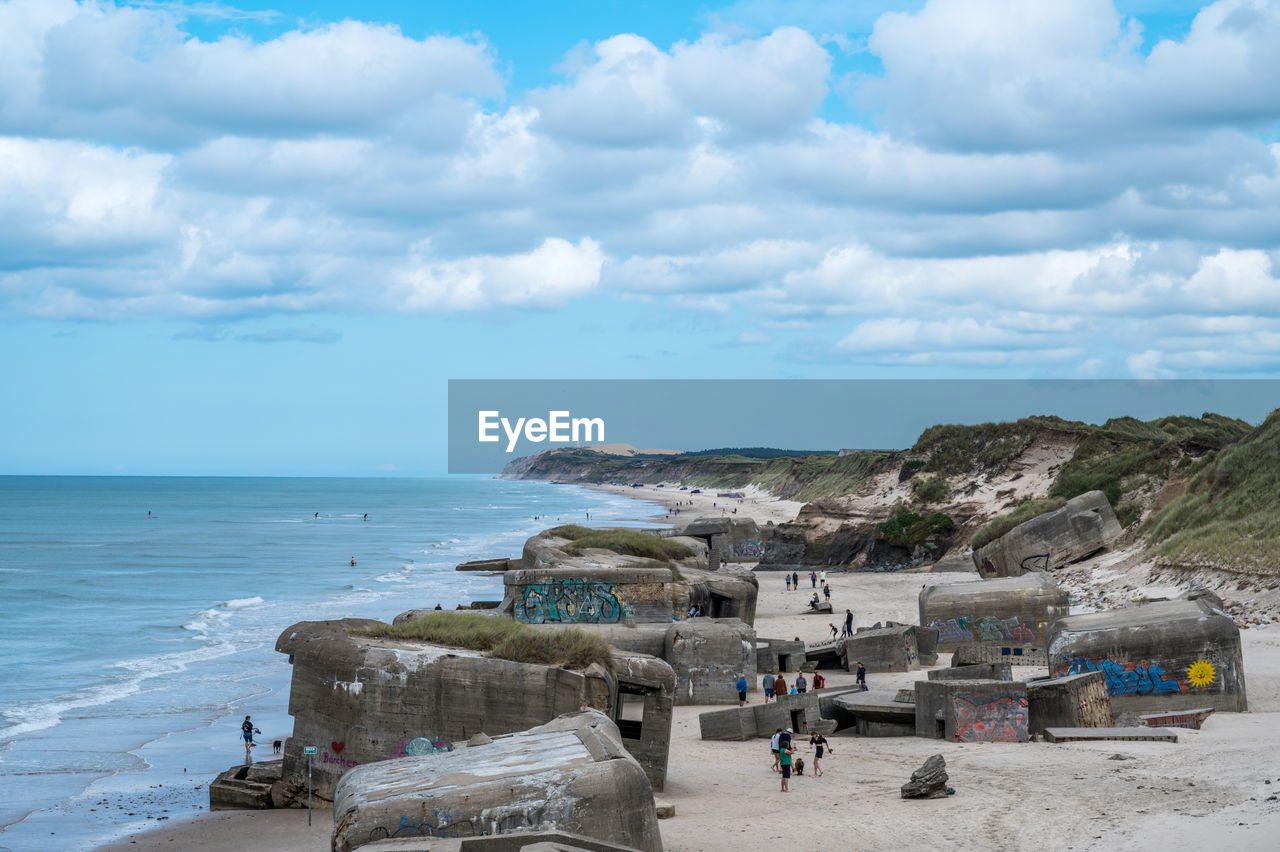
(502, 638)
(1228, 518)
(931, 489)
(907, 529)
(626, 542)
(1001, 524)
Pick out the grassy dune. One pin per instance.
(1230, 517)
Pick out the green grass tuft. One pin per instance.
(626, 542)
(503, 639)
(931, 489)
(1001, 524)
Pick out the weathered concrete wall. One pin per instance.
(572, 774)
(1075, 701)
(643, 710)
(973, 711)
(973, 654)
(1010, 612)
(884, 649)
(360, 699)
(755, 721)
(780, 655)
(708, 655)
(733, 539)
(1171, 655)
(1085, 525)
(599, 595)
(977, 671)
(706, 660)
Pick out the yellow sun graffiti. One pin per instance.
(1201, 673)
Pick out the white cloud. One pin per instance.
(548, 276)
(627, 91)
(132, 73)
(1037, 194)
(1008, 74)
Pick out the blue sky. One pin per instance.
(260, 238)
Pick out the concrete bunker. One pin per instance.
(1167, 655)
(570, 774)
(1010, 612)
(362, 699)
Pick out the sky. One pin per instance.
(260, 238)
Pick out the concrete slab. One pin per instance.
(1191, 719)
(1088, 735)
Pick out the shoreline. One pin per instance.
(759, 505)
(155, 766)
(1205, 791)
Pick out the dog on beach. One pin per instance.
(799, 767)
(275, 746)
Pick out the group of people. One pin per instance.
(776, 685)
(787, 763)
(845, 631)
(793, 581)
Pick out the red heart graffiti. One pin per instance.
(337, 747)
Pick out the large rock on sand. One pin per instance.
(571, 774)
(929, 781)
(1084, 526)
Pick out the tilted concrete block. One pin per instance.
(1085, 525)
(884, 649)
(571, 774)
(1169, 655)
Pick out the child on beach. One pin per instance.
(784, 760)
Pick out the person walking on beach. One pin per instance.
(818, 680)
(819, 743)
(773, 747)
(826, 590)
(801, 683)
(848, 622)
(247, 730)
(742, 690)
(813, 579)
(788, 579)
(779, 686)
(822, 578)
(862, 676)
(768, 686)
(834, 632)
(795, 581)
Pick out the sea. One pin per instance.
(138, 619)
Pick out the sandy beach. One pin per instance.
(1215, 788)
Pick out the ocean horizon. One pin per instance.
(140, 616)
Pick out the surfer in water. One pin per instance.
(353, 560)
(366, 516)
